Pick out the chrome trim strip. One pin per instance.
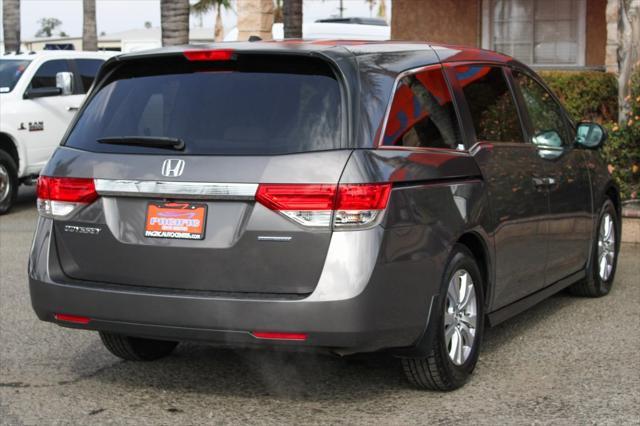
(166, 189)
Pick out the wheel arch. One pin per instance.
(479, 248)
(613, 193)
(8, 145)
(478, 244)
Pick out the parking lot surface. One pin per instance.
(567, 361)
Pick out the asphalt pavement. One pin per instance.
(566, 361)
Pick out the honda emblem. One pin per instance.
(172, 168)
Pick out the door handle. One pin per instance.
(72, 108)
(545, 181)
(538, 182)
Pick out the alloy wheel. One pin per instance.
(606, 247)
(460, 317)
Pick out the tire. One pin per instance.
(439, 371)
(599, 283)
(8, 182)
(136, 348)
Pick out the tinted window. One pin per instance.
(10, 72)
(491, 104)
(88, 68)
(46, 74)
(547, 120)
(422, 113)
(250, 107)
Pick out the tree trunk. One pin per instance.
(628, 53)
(292, 12)
(218, 32)
(174, 18)
(11, 25)
(89, 31)
(255, 18)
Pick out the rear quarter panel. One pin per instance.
(438, 196)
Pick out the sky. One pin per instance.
(121, 15)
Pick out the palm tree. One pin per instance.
(292, 12)
(89, 31)
(203, 6)
(277, 12)
(382, 10)
(371, 4)
(174, 21)
(11, 25)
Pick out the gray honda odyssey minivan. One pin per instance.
(340, 196)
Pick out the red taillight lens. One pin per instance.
(270, 335)
(72, 318)
(369, 196)
(310, 197)
(209, 55)
(75, 190)
(350, 205)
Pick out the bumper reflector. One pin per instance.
(72, 318)
(269, 335)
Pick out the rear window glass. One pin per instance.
(491, 104)
(88, 68)
(253, 106)
(422, 113)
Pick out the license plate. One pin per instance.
(182, 221)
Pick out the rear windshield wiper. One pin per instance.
(149, 141)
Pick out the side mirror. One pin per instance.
(590, 135)
(64, 82)
(41, 92)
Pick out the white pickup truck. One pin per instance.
(39, 95)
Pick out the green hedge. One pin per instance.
(622, 150)
(587, 95)
(593, 96)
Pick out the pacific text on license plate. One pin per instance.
(185, 221)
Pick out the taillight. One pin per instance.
(360, 205)
(60, 196)
(271, 335)
(209, 55)
(72, 318)
(317, 205)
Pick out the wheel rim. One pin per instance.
(460, 318)
(606, 247)
(5, 183)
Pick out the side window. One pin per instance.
(422, 113)
(88, 68)
(491, 103)
(46, 74)
(547, 120)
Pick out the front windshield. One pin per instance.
(10, 72)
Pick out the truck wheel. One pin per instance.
(136, 348)
(456, 345)
(8, 182)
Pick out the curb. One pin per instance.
(631, 230)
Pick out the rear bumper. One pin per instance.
(354, 311)
(342, 326)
